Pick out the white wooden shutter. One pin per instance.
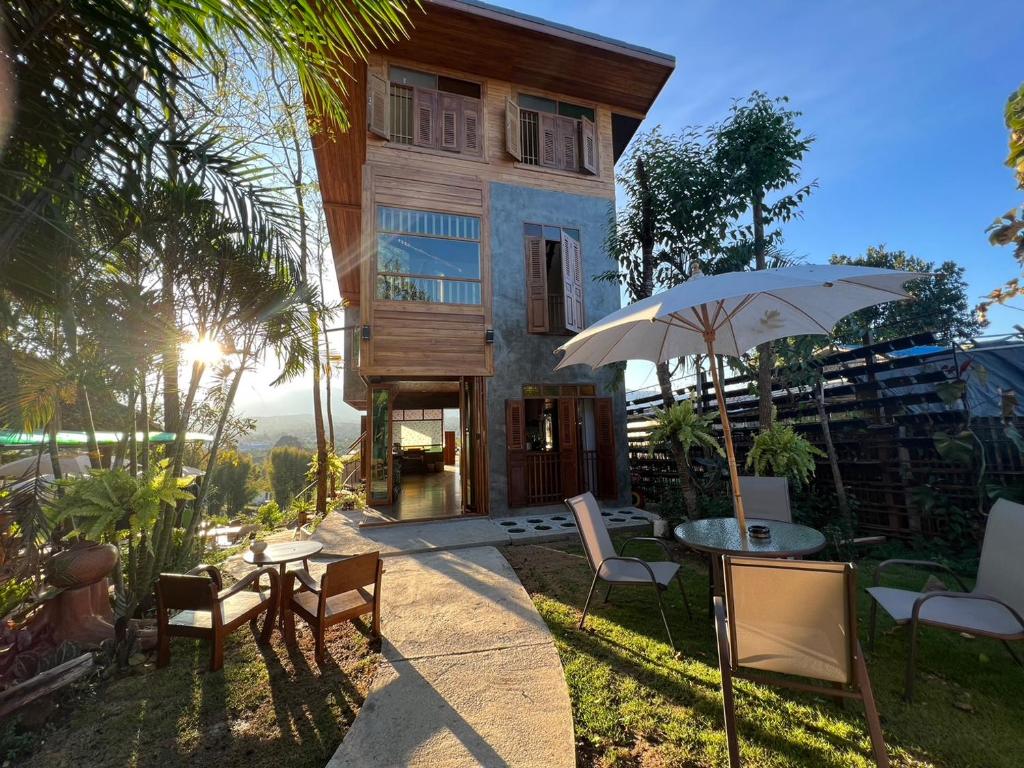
(548, 140)
(424, 131)
(513, 130)
(448, 124)
(471, 139)
(536, 286)
(588, 147)
(568, 144)
(378, 106)
(572, 280)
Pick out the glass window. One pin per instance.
(573, 111)
(458, 87)
(412, 77)
(428, 256)
(538, 103)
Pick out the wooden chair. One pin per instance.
(207, 611)
(340, 596)
(792, 617)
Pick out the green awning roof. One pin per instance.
(36, 439)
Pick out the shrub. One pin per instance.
(288, 468)
(270, 515)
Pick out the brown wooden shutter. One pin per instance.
(572, 283)
(568, 447)
(588, 146)
(513, 130)
(424, 118)
(471, 139)
(378, 108)
(604, 424)
(448, 124)
(536, 286)
(548, 132)
(515, 448)
(567, 131)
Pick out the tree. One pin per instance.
(675, 213)
(287, 472)
(759, 149)
(1008, 229)
(232, 483)
(940, 303)
(680, 423)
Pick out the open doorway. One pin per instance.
(422, 451)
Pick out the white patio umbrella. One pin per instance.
(729, 314)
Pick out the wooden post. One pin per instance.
(734, 479)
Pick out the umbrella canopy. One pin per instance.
(730, 314)
(739, 309)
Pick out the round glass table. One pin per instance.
(717, 536)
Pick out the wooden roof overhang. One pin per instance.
(497, 43)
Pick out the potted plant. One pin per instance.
(781, 452)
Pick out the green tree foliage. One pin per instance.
(680, 425)
(759, 149)
(232, 483)
(288, 467)
(940, 302)
(782, 452)
(1008, 229)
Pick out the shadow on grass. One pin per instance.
(630, 695)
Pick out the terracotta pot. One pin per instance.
(81, 566)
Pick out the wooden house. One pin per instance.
(468, 208)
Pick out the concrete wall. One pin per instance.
(523, 358)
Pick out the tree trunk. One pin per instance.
(682, 465)
(171, 356)
(765, 353)
(318, 419)
(144, 407)
(830, 449)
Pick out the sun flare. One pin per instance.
(203, 350)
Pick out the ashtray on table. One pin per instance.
(759, 531)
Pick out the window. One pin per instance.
(554, 279)
(426, 256)
(426, 110)
(553, 134)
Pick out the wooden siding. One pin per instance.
(412, 338)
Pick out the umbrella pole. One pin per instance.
(727, 436)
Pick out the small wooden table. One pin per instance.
(281, 555)
(717, 536)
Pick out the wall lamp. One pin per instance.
(366, 333)
(489, 336)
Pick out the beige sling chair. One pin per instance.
(766, 498)
(994, 608)
(792, 617)
(617, 569)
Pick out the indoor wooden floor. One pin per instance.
(436, 494)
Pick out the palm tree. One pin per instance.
(681, 425)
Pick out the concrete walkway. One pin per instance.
(342, 536)
(471, 676)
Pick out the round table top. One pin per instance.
(721, 536)
(283, 553)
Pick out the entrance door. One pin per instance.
(380, 469)
(473, 456)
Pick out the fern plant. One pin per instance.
(780, 451)
(682, 423)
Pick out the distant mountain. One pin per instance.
(270, 429)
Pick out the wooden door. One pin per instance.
(515, 449)
(449, 448)
(568, 447)
(604, 429)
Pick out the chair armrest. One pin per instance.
(661, 542)
(963, 596)
(252, 578)
(209, 570)
(305, 578)
(929, 565)
(644, 563)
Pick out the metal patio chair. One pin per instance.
(792, 617)
(994, 608)
(615, 568)
(766, 498)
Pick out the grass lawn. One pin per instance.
(269, 707)
(635, 704)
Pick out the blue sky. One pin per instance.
(904, 97)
